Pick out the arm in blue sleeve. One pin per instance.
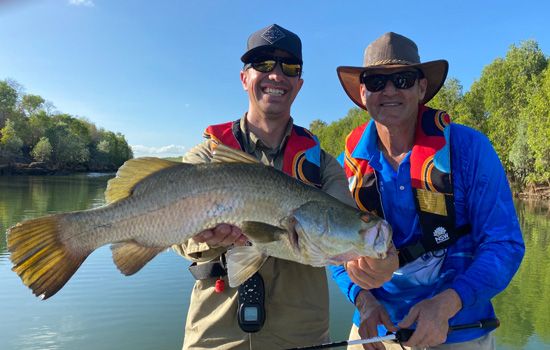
(496, 233)
(340, 276)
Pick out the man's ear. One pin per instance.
(363, 91)
(300, 83)
(244, 80)
(422, 85)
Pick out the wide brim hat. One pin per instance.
(391, 51)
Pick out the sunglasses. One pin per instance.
(289, 66)
(401, 80)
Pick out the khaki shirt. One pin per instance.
(296, 295)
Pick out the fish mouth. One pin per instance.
(382, 240)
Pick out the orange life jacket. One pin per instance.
(302, 153)
(432, 186)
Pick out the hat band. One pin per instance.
(389, 61)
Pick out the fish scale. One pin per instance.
(153, 204)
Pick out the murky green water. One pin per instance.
(101, 309)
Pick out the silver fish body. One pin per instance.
(154, 204)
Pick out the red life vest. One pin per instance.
(302, 153)
(432, 187)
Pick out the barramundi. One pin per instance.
(153, 204)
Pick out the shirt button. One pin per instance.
(401, 188)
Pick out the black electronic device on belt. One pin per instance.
(251, 311)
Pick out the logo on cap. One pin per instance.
(273, 34)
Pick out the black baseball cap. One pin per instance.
(273, 37)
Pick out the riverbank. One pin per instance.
(534, 192)
(39, 169)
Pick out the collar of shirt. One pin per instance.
(367, 147)
(254, 145)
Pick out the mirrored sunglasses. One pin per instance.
(289, 66)
(401, 80)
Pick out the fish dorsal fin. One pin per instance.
(130, 256)
(261, 232)
(131, 173)
(242, 263)
(223, 154)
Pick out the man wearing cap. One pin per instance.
(444, 191)
(293, 306)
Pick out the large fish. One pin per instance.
(153, 204)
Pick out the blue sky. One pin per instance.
(160, 71)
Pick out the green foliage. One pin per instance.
(60, 140)
(30, 104)
(333, 135)
(69, 149)
(113, 149)
(8, 100)
(10, 143)
(538, 130)
(505, 88)
(449, 97)
(42, 151)
(520, 159)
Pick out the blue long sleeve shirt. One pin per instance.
(479, 265)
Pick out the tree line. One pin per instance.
(509, 103)
(32, 131)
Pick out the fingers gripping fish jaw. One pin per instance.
(377, 237)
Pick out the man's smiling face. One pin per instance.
(271, 94)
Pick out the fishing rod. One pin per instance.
(401, 335)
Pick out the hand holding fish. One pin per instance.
(432, 319)
(223, 235)
(372, 314)
(371, 273)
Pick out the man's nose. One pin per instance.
(277, 73)
(389, 89)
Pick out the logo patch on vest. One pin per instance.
(441, 235)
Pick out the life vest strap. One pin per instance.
(411, 252)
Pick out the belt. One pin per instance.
(210, 269)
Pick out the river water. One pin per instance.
(99, 308)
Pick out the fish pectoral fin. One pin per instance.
(131, 173)
(224, 154)
(130, 256)
(242, 263)
(261, 232)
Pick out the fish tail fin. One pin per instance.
(39, 256)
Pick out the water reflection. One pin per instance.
(524, 307)
(99, 308)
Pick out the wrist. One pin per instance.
(451, 302)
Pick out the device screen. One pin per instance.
(250, 314)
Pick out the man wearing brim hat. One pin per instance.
(444, 191)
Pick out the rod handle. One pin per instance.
(483, 324)
(404, 334)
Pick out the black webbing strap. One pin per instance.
(210, 269)
(413, 251)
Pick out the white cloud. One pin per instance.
(87, 3)
(161, 152)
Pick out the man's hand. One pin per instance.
(371, 273)
(432, 319)
(372, 314)
(222, 235)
